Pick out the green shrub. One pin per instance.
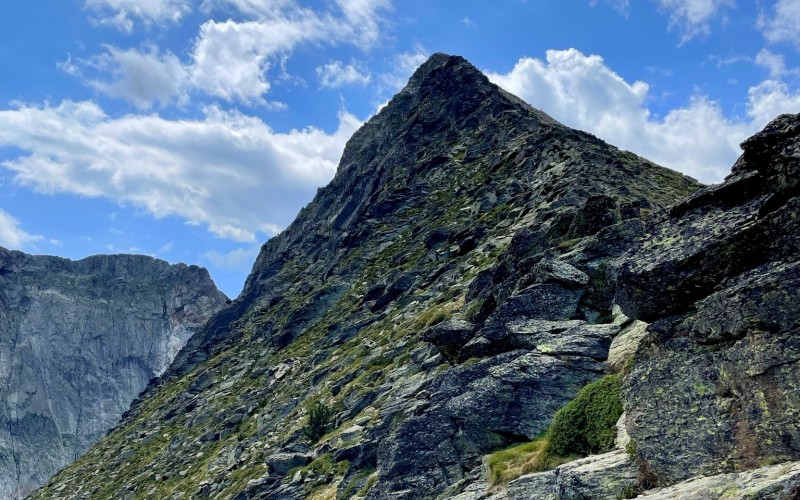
(318, 420)
(587, 424)
(584, 426)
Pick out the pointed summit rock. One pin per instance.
(441, 298)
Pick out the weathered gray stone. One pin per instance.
(598, 477)
(774, 482)
(78, 341)
(625, 344)
(715, 385)
(281, 463)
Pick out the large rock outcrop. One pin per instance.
(438, 300)
(715, 384)
(78, 341)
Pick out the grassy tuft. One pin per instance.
(522, 459)
(587, 424)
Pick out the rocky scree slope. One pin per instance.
(78, 341)
(443, 296)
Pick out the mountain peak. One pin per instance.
(442, 67)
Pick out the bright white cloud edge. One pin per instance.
(227, 171)
(697, 139)
(13, 236)
(249, 49)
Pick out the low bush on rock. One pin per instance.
(584, 426)
(318, 420)
(587, 424)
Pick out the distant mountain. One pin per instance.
(78, 341)
(456, 284)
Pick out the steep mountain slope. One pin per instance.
(78, 342)
(441, 298)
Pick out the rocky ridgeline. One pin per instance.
(440, 300)
(78, 342)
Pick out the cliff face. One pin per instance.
(440, 299)
(78, 342)
(724, 344)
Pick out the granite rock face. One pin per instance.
(715, 383)
(78, 342)
(442, 297)
(774, 482)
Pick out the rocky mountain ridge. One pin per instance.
(441, 299)
(78, 341)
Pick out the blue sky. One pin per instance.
(195, 130)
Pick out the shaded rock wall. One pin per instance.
(715, 385)
(78, 342)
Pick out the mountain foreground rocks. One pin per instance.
(78, 341)
(472, 266)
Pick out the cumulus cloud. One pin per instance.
(141, 77)
(697, 139)
(783, 24)
(692, 17)
(227, 171)
(12, 235)
(336, 74)
(231, 59)
(123, 13)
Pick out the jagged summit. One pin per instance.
(442, 206)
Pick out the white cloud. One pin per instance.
(336, 74)
(362, 21)
(140, 77)
(582, 92)
(692, 17)
(468, 22)
(231, 59)
(123, 13)
(240, 259)
(12, 235)
(770, 99)
(774, 63)
(784, 23)
(227, 171)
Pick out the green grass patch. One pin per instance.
(584, 426)
(522, 459)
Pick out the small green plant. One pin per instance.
(568, 244)
(587, 424)
(368, 485)
(630, 448)
(318, 420)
